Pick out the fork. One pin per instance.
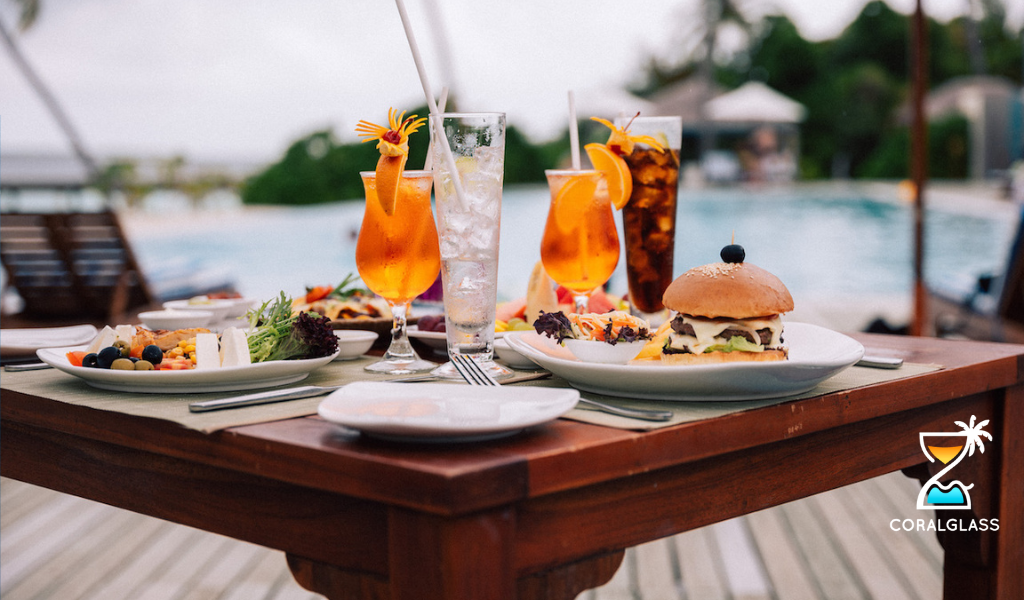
(474, 374)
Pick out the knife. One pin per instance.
(880, 362)
(305, 391)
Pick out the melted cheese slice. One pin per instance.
(707, 330)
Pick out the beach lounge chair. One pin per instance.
(71, 266)
(994, 310)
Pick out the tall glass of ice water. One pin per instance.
(469, 165)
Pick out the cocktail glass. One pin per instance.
(468, 221)
(649, 218)
(580, 247)
(398, 258)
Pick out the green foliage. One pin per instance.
(314, 169)
(318, 169)
(852, 86)
(948, 144)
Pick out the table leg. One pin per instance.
(471, 557)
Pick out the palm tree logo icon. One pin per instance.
(947, 449)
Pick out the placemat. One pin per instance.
(54, 385)
(685, 412)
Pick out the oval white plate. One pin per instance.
(815, 354)
(437, 340)
(443, 412)
(249, 377)
(353, 343)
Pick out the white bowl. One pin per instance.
(241, 306)
(175, 319)
(219, 308)
(354, 343)
(603, 352)
(512, 357)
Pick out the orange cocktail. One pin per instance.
(580, 247)
(398, 257)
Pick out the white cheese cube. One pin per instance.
(207, 351)
(104, 338)
(234, 348)
(125, 333)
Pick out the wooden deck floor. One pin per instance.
(837, 545)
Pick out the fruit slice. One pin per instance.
(540, 294)
(389, 176)
(572, 199)
(616, 173)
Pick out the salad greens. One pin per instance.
(276, 334)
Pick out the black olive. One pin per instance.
(153, 354)
(89, 360)
(106, 356)
(733, 253)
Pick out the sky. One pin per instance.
(241, 79)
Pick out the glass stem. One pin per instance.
(580, 301)
(400, 348)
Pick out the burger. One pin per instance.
(726, 312)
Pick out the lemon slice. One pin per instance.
(616, 173)
(389, 176)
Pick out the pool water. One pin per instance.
(821, 244)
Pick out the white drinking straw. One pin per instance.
(449, 159)
(428, 164)
(574, 132)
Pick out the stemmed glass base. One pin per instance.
(447, 370)
(400, 359)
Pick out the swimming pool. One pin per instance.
(823, 241)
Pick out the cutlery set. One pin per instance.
(469, 369)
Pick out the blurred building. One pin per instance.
(993, 108)
(750, 133)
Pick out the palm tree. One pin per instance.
(974, 435)
(29, 13)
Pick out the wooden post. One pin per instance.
(919, 160)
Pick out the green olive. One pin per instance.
(123, 364)
(143, 365)
(123, 347)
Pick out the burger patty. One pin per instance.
(764, 335)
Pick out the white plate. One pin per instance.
(815, 354)
(249, 377)
(175, 319)
(353, 343)
(437, 340)
(443, 412)
(27, 341)
(504, 353)
(220, 308)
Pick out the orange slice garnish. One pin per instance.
(571, 201)
(616, 173)
(389, 176)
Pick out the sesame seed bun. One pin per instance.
(733, 290)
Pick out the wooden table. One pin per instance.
(548, 513)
